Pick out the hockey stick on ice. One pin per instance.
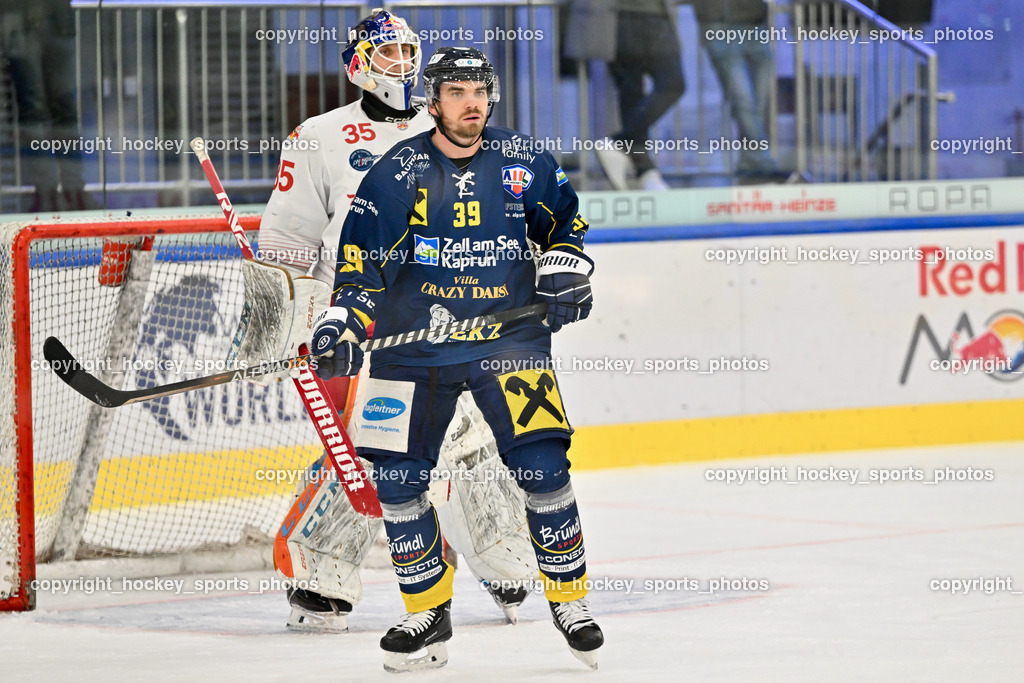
(67, 367)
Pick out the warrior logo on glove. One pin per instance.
(563, 281)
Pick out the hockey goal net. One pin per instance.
(139, 303)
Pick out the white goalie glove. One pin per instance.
(277, 315)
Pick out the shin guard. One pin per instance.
(414, 539)
(558, 541)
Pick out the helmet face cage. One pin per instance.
(393, 82)
(451, 65)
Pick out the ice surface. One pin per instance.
(849, 570)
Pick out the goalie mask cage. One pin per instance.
(139, 302)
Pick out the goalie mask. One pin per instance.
(390, 77)
(454, 64)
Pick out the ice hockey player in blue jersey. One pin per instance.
(444, 227)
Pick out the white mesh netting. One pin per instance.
(186, 472)
(9, 558)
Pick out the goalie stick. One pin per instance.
(312, 390)
(67, 367)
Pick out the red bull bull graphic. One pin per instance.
(354, 66)
(997, 350)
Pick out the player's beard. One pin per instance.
(465, 132)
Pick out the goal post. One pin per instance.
(214, 469)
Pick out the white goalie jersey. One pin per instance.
(321, 168)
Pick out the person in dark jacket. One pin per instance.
(37, 43)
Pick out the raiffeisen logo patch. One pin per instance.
(382, 408)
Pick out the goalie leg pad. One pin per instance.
(326, 540)
(485, 518)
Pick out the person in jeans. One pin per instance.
(744, 69)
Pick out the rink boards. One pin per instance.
(877, 316)
(839, 330)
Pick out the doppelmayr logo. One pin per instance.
(383, 408)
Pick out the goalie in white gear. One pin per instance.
(323, 540)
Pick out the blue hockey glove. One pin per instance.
(563, 282)
(346, 359)
(337, 333)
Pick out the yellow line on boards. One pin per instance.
(180, 477)
(184, 477)
(717, 438)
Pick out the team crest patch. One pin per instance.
(418, 215)
(516, 179)
(353, 259)
(560, 176)
(362, 159)
(295, 133)
(426, 250)
(403, 125)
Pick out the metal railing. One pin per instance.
(866, 105)
(152, 75)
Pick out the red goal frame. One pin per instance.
(23, 595)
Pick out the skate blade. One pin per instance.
(588, 658)
(511, 613)
(401, 662)
(310, 622)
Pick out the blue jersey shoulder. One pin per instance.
(523, 151)
(399, 168)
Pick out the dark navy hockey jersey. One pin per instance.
(426, 244)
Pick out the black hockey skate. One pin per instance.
(428, 629)
(316, 613)
(508, 599)
(579, 628)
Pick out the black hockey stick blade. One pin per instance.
(71, 372)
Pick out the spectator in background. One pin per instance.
(745, 71)
(646, 44)
(37, 42)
